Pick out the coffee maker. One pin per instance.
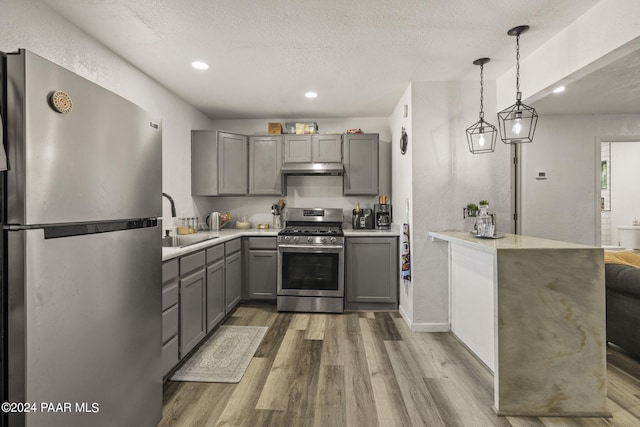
(382, 216)
(362, 219)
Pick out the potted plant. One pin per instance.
(471, 209)
(483, 203)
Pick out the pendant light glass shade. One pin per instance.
(481, 136)
(517, 123)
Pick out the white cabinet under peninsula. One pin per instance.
(533, 310)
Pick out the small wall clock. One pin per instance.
(404, 141)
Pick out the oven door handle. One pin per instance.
(305, 247)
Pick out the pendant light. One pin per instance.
(518, 122)
(481, 136)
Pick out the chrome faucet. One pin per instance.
(173, 205)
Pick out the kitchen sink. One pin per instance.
(180, 241)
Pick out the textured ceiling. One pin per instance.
(358, 55)
(612, 89)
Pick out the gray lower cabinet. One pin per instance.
(193, 325)
(361, 164)
(262, 268)
(232, 274)
(170, 310)
(265, 162)
(215, 286)
(371, 269)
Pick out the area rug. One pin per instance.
(224, 357)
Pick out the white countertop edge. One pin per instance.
(508, 242)
(227, 235)
(371, 233)
(221, 237)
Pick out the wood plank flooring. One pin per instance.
(367, 369)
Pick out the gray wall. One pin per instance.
(444, 177)
(33, 25)
(566, 206)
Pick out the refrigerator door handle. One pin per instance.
(3, 153)
(69, 230)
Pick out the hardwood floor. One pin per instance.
(367, 369)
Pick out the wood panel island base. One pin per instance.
(533, 310)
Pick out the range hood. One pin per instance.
(312, 169)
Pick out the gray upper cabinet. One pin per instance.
(219, 163)
(326, 148)
(297, 148)
(232, 164)
(265, 162)
(361, 164)
(312, 148)
(204, 163)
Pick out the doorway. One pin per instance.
(618, 177)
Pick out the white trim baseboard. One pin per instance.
(430, 327)
(424, 327)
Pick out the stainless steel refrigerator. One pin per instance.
(81, 251)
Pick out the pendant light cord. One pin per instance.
(518, 63)
(481, 91)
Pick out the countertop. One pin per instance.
(222, 236)
(508, 242)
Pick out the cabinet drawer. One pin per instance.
(170, 295)
(191, 262)
(262, 243)
(169, 355)
(169, 270)
(169, 323)
(232, 246)
(215, 253)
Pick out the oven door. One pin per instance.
(311, 270)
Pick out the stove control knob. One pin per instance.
(295, 238)
(287, 238)
(324, 240)
(333, 240)
(309, 239)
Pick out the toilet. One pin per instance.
(629, 236)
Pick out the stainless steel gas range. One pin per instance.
(311, 261)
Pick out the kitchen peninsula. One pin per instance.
(533, 310)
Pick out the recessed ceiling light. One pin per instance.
(311, 95)
(559, 89)
(199, 65)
